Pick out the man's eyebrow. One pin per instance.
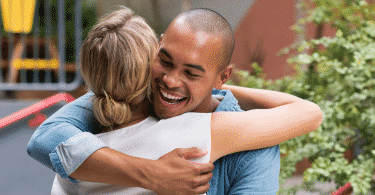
(164, 51)
(198, 67)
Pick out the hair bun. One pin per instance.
(110, 112)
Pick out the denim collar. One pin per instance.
(228, 103)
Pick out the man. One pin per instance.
(193, 58)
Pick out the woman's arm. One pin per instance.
(285, 117)
(249, 98)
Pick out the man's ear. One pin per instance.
(161, 38)
(224, 76)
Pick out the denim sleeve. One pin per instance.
(61, 136)
(257, 172)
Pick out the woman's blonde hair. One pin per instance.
(115, 63)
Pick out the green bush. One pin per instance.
(339, 77)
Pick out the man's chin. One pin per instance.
(165, 115)
(164, 110)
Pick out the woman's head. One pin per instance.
(115, 64)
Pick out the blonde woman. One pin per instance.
(117, 60)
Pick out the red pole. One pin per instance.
(35, 108)
(344, 190)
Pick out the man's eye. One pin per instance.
(165, 63)
(191, 74)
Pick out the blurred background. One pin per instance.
(39, 48)
(40, 40)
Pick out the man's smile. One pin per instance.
(171, 98)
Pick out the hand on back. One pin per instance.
(175, 174)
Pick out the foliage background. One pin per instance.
(337, 73)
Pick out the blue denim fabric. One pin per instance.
(248, 172)
(66, 127)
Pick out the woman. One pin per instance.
(116, 60)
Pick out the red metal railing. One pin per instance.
(344, 190)
(35, 109)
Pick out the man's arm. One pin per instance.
(65, 143)
(71, 125)
(169, 174)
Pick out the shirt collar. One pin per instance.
(228, 102)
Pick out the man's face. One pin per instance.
(184, 71)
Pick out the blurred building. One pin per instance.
(262, 27)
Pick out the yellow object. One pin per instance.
(35, 64)
(18, 15)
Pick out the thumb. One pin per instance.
(194, 152)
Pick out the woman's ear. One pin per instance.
(224, 76)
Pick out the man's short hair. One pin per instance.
(211, 22)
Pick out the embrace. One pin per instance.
(159, 118)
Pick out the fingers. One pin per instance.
(206, 168)
(203, 184)
(202, 168)
(206, 178)
(194, 152)
(202, 189)
(202, 179)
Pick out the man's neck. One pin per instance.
(214, 104)
(208, 106)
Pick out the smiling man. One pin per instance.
(192, 60)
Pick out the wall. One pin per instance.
(262, 33)
(159, 13)
(261, 26)
(233, 11)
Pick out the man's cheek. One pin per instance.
(200, 88)
(156, 69)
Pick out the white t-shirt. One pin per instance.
(149, 139)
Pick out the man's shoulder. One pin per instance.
(258, 156)
(227, 101)
(260, 161)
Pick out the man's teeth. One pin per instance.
(166, 95)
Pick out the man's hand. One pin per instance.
(174, 174)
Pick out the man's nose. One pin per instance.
(172, 80)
